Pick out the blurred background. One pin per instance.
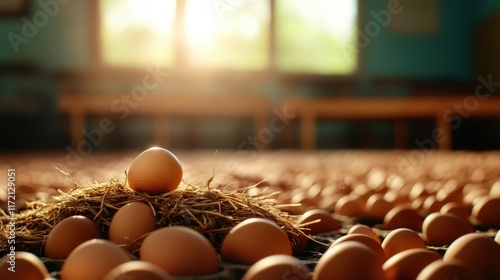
(131, 65)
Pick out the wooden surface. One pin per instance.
(163, 107)
(442, 109)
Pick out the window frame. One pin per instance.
(182, 69)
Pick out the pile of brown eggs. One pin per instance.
(431, 221)
(444, 208)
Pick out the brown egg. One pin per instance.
(377, 207)
(155, 171)
(305, 202)
(328, 203)
(137, 270)
(253, 240)
(418, 203)
(180, 251)
(22, 266)
(400, 240)
(366, 230)
(472, 197)
(432, 204)
(418, 190)
(349, 206)
(138, 214)
(457, 209)
(439, 270)
(495, 189)
(409, 263)
(366, 240)
(93, 259)
(478, 252)
(348, 260)
(487, 210)
(67, 235)
(325, 224)
(396, 198)
(278, 267)
(447, 196)
(403, 216)
(442, 229)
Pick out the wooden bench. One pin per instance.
(163, 107)
(442, 109)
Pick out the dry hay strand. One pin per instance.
(208, 210)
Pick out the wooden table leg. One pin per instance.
(401, 134)
(260, 124)
(445, 128)
(76, 126)
(308, 131)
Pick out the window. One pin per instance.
(289, 36)
(135, 33)
(311, 36)
(237, 38)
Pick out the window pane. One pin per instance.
(228, 34)
(137, 33)
(316, 36)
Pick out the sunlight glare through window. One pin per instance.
(316, 36)
(238, 40)
(137, 32)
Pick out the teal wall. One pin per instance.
(61, 44)
(445, 54)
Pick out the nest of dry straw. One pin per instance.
(212, 211)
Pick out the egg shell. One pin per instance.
(377, 207)
(403, 216)
(325, 224)
(396, 197)
(180, 251)
(366, 230)
(306, 203)
(348, 260)
(440, 270)
(432, 204)
(418, 190)
(155, 171)
(478, 252)
(497, 237)
(457, 209)
(495, 189)
(409, 263)
(442, 229)
(473, 196)
(26, 266)
(400, 240)
(66, 235)
(137, 270)
(487, 210)
(366, 240)
(418, 203)
(130, 222)
(93, 259)
(254, 239)
(349, 206)
(278, 267)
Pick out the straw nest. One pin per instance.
(212, 211)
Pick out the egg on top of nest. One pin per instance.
(155, 171)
